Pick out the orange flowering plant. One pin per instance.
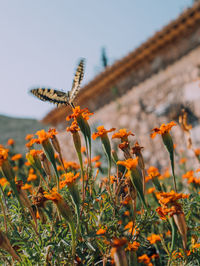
(75, 211)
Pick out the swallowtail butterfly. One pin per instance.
(59, 97)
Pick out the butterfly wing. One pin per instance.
(77, 81)
(51, 95)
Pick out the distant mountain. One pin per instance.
(17, 129)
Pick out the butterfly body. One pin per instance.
(59, 97)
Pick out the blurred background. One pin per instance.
(142, 63)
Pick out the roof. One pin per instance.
(180, 28)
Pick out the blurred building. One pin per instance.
(148, 87)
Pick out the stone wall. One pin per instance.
(155, 101)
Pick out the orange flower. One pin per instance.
(145, 259)
(152, 173)
(73, 128)
(72, 165)
(101, 132)
(3, 181)
(53, 195)
(16, 157)
(170, 197)
(153, 238)
(182, 160)
(122, 134)
(101, 231)
(126, 213)
(191, 178)
(83, 149)
(29, 137)
(132, 230)
(10, 142)
(77, 111)
(129, 163)
(26, 187)
(3, 155)
(133, 246)
(35, 152)
(70, 178)
(151, 190)
(42, 135)
(163, 129)
(31, 177)
(96, 158)
(197, 152)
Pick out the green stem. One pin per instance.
(173, 234)
(72, 228)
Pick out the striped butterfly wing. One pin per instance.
(51, 95)
(77, 81)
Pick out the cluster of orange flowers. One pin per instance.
(169, 204)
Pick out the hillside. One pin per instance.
(17, 129)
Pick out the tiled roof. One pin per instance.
(178, 28)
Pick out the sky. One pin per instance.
(43, 40)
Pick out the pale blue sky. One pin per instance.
(41, 42)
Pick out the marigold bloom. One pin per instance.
(35, 152)
(197, 152)
(77, 111)
(3, 155)
(10, 142)
(43, 136)
(170, 197)
(133, 246)
(53, 195)
(101, 231)
(31, 177)
(151, 190)
(29, 136)
(3, 181)
(163, 129)
(101, 132)
(70, 179)
(191, 178)
(96, 158)
(152, 173)
(131, 229)
(26, 187)
(182, 160)
(73, 128)
(122, 134)
(16, 157)
(129, 163)
(154, 238)
(145, 259)
(72, 165)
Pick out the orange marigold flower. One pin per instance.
(145, 259)
(78, 111)
(131, 229)
(152, 173)
(26, 187)
(72, 165)
(182, 160)
(126, 213)
(129, 163)
(197, 152)
(42, 135)
(197, 245)
(163, 129)
(10, 142)
(73, 128)
(191, 178)
(96, 158)
(16, 157)
(133, 246)
(101, 132)
(97, 164)
(9, 193)
(122, 134)
(29, 137)
(3, 155)
(101, 231)
(154, 238)
(30, 143)
(151, 190)
(70, 178)
(27, 163)
(83, 149)
(3, 181)
(170, 197)
(31, 177)
(53, 195)
(35, 152)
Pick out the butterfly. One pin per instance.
(59, 97)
